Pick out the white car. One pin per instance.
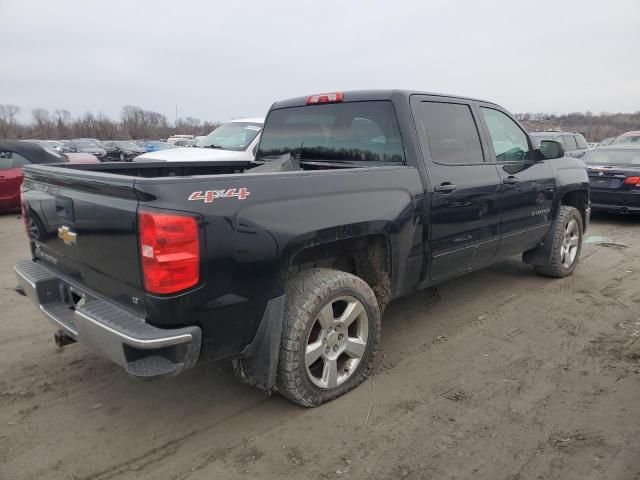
(234, 140)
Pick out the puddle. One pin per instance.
(603, 241)
(597, 239)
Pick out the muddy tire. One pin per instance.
(566, 234)
(330, 336)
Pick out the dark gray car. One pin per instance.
(574, 143)
(85, 146)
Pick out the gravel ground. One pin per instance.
(501, 374)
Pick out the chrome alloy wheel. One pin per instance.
(336, 342)
(570, 243)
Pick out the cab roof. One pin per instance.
(369, 95)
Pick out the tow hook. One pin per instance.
(62, 339)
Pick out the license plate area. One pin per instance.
(72, 297)
(604, 182)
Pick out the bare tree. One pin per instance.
(134, 123)
(62, 119)
(42, 122)
(8, 115)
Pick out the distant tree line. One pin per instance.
(593, 127)
(134, 123)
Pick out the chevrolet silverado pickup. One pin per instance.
(285, 264)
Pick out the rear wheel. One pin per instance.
(567, 231)
(330, 336)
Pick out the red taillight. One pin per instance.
(333, 97)
(169, 250)
(632, 181)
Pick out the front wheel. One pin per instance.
(330, 336)
(566, 235)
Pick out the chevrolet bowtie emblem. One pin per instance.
(67, 236)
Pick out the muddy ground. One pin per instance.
(503, 375)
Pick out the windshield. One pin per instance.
(627, 140)
(612, 157)
(347, 132)
(232, 136)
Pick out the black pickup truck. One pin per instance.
(285, 264)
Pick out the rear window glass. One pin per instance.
(349, 132)
(612, 157)
(632, 139)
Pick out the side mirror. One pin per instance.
(550, 149)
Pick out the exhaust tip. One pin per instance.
(624, 211)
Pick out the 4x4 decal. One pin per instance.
(209, 196)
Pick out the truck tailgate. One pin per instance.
(84, 226)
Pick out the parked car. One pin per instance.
(51, 144)
(154, 145)
(56, 145)
(285, 264)
(627, 138)
(14, 154)
(185, 143)
(605, 142)
(174, 138)
(614, 175)
(123, 150)
(86, 146)
(574, 143)
(234, 140)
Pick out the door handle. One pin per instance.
(510, 180)
(444, 188)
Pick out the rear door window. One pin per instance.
(452, 133)
(569, 142)
(340, 132)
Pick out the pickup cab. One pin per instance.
(285, 264)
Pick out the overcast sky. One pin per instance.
(217, 60)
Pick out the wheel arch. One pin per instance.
(368, 257)
(574, 195)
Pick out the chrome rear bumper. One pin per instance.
(144, 351)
